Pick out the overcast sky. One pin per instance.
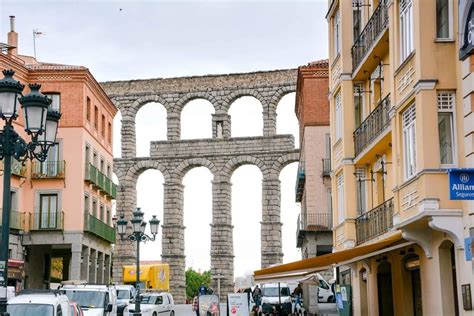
(121, 40)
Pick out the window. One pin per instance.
(96, 117)
(88, 109)
(102, 126)
(444, 19)
(102, 165)
(109, 133)
(361, 189)
(56, 101)
(50, 167)
(87, 204)
(108, 171)
(94, 159)
(328, 200)
(48, 211)
(340, 197)
(327, 138)
(94, 207)
(338, 116)
(358, 103)
(14, 200)
(102, 214)
(356, 19)
(406, 28)
(88, 154)
(337, 32)
(446, 127)
(409, 146)
(107, 219)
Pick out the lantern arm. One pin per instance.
(139, 236)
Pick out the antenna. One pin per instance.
(36, 33)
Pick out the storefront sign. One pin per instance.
(466, 28)
(466, 297)
(461, 184)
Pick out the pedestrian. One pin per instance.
(257, 295)
(298, 294)
(196, 305)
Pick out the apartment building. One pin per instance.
(313, 184)
(61, 225)
(397, 128)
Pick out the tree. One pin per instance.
(194, 279)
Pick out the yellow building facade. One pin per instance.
(397, 127)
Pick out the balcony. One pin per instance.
(326, 167)
(18, 169)
(300, 180)
(40, 221)
(375, 222)
(372, 126)
(312, 222)
(99, 228)
(100, 181)
(372, 31)
(17, 220)
(48, 170)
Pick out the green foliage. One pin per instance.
(193, 280)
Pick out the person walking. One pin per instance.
(298, 295)
(257, 295)
(196, 305)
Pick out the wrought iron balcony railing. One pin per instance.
(18, 169)
(372, 126)
(326, 167)
(300, 180)
(17, 220)
(48, 170)
(47, 220)
(377, 23)
(375, 222)
(100, 181)
(318, 221)
(99, 228)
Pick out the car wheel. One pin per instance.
(172, 313)
(154, 313)
(331, 299)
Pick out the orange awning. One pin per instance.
(311, 265)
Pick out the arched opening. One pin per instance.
(196, 119)
(447, 270)
(287, 122)
(150, 200)
(289, 211)
(364, 310)
(384, 288)
(150, 125)
(117, 136)
(246, 117)
(197, 210)
(412, 284)
(246, 216)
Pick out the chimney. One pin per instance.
(12, 37)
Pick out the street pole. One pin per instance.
(137, 283)
(5, 242)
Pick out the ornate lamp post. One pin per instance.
(41, 124)
(138, 235)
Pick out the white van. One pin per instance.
(325, 294)
(41, 303)
(95, 300)
(276, 296)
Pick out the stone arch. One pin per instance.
(236, 162)
(118, 105)
(140, 166)
(189, 164)
(188, 97)
(140, 102)
(281, 92)
(283, 161)
(231, 98)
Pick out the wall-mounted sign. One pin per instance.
(468, 245)
(461, 184)
(466, 297)
(466, 28)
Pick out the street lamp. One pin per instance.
(138, 235)
(41, 124)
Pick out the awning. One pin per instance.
(300, 269)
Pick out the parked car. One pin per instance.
(75, 309)
(153, 304)
(125, 294)
(274, 300)
(325, 294)
(42, 303)
(94, 300)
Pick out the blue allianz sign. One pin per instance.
(461, 184)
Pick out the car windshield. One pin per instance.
(123, 294)
(90, 299)
(30, 309)
(150, 299)
(273, 291)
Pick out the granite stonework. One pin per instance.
(221, 154)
